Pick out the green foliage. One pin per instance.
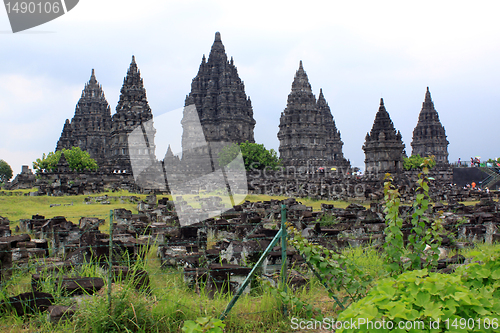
(418, 162)
(295, 306)
(78, 160)
(5, 171)
(204, 324)
(423, 232)
(485, 274)
(429, 302)
(394, 243)
(328, 220)
(493, 161)
(255, 156)
(339, 272)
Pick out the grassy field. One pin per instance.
(14, 205)
(171, 301)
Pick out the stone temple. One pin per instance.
(384, 148)
(218, 93)
(132, 112)
(307, 132)
(429, 136)
(90, 128)
(106, 138)
(216, 110)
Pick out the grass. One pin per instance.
(14, 205)
(164, 310)
(171, 301)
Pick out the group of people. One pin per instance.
(472, 186)
(476, 161)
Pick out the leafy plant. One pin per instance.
(335, 269)
(418, 301)
(78, 160)
(485, 272)
(423, 231)
(204, 324)
(5, 171)
(417, 162)
(255, 156)
(328, 220)
(394, 242)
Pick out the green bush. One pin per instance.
(428, 302)
(78, 160)
(255, 156)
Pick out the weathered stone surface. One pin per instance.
(308, 135)
(14, 240)
(60, 312)
(225, 112)
(384, 148)
(429, 136)
(72, 285)
(133, 111)
(90, 128)
(226, 278)
(28, 303)
(5, 261)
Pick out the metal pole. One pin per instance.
(283, 253)
(324, 283)
(110, 259)
(247, 279)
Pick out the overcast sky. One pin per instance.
(356, 51)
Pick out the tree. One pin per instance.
(255, 156)
(417, 162)
(5, 171)
(78, 160)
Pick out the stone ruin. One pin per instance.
(217, 251)
(308, 134)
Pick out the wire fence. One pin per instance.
(207, 263)
(200, 270)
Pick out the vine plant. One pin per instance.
(423, 231)
(335, 269)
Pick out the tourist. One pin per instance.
(473, 185)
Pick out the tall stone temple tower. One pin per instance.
(224, 111)
(91, 125)
(384, 148)
(429, 136)
(133, 115)
(308, 135)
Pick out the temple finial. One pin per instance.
(217, 37)
(381, 102)
(428, 96)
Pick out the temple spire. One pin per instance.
(92, 77)
(429, 137)
(224, 110)
(217, 52)
(90, 127)
(301, 81)
(307, 133)
(428, 98)
(384, 148)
